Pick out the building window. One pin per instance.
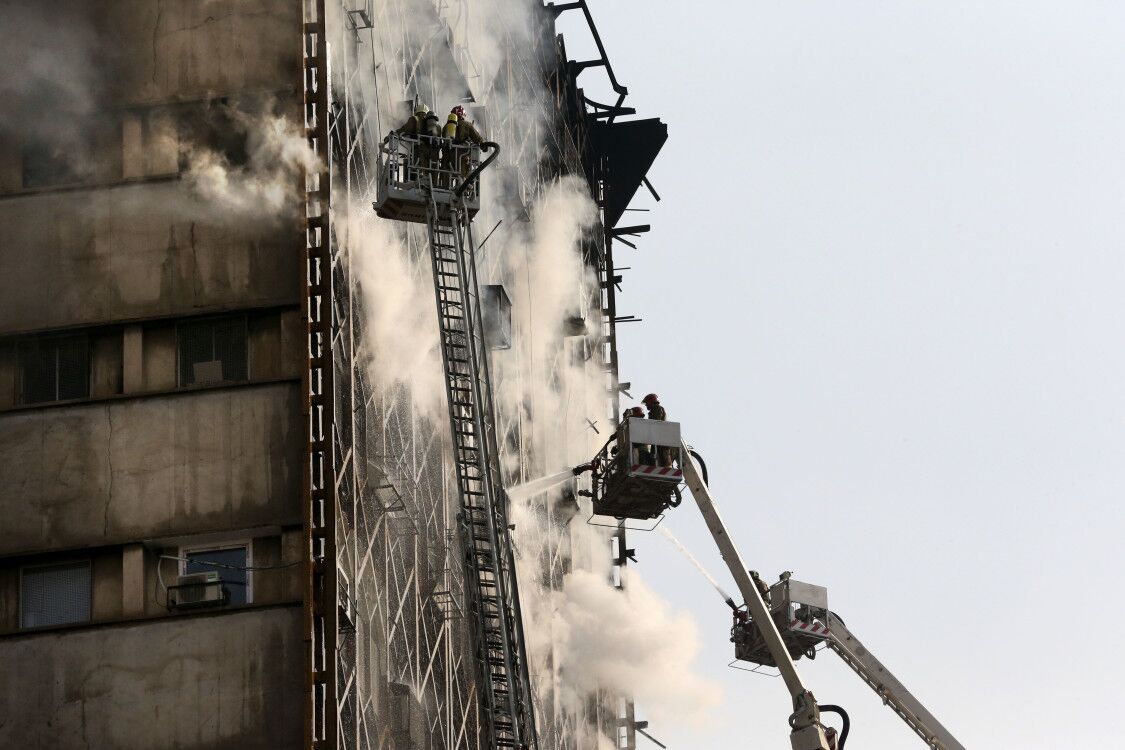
(212, 351)
(55, 369)
(52, 165)
(56, 594)
(229, 562)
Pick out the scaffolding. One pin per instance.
(401, 628)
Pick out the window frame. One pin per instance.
(54, 341)
(85, 562)
(246, 544)
(212, 320)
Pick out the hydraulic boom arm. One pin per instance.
(808, 733)
(893, 692)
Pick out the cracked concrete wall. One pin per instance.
(100, 256)
(228, 680)
(191, 49)
(125, 470)
(134, 251)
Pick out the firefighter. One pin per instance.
(429, 142)
(450, 129)
(466, 133)
(448, 138)
(762, 586)
(415, 127)
(656, 411)
(633, 412)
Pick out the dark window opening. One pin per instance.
(55, 164)
(229, 563)
(220, 129)
(212, 351)
(55, 369)
(56, 594)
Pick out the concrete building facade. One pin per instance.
(151, 353)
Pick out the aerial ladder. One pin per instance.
(637, 475)
(415, 185)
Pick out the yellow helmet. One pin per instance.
(452, 118)
(420, 109)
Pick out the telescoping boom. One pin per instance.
(808, 732)
(789, 628)
(638, 474)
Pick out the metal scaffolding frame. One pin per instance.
(404, 673)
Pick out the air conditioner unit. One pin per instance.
(197, 590)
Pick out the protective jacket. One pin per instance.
(466, 131)
(656, 411)
(413, 126)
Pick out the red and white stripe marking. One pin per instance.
(813, 628)
(660, 471)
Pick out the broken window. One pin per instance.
(56, 594)
(212, 351)
(54, 369)
(220, 129)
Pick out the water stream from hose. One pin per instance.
(699, 566)
(542, 484)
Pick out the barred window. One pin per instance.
(212, 351)
(54, 369)
(55, 594)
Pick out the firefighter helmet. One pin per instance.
(458, 110)
(650, 399)
(420, 109)
(634, 411)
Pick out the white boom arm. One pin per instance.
(893, 692)
(808, 733)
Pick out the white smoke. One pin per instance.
(550, 383)
(588, 635)
(268, 185)
(400, 326)
(558, 387)
(628, 640)
(51, 77)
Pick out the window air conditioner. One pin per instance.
(197, 590)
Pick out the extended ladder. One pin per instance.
(887, 686)
(490, 564)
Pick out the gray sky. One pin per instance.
(883, 295)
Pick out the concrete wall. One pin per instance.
(220, 681)
(98, 256)
(125, 470)
(191, 49)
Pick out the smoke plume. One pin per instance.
(628, 640)
(401, 326)
(51, 78)
(267, 182)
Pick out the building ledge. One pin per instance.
(27, 633)
(185, 390)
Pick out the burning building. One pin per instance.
(233, 510)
